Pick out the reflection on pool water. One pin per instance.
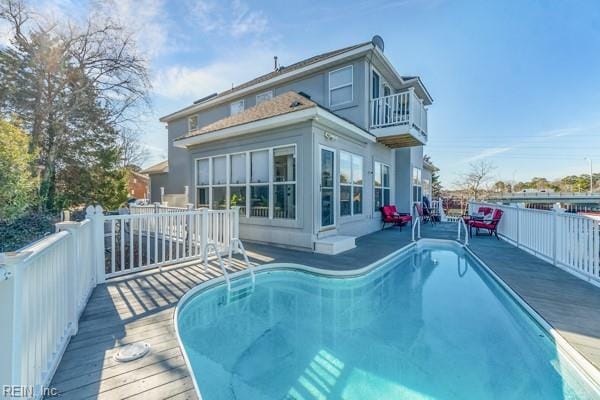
(428, 324)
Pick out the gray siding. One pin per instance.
(179, 159)
(156, 182)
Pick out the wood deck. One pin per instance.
(141, 307)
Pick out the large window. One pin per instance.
(236, 107)
(284, 182)
(381, 182)
(416, 184)
(341, 86)
(262, 182)
(351, 184)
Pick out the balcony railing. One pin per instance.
(399, 109)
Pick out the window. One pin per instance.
(427, 188)
(341, 86)
(381, 182)
(262, 183)
(284, 182)
(193, 122)
(416, 183)
(264, 97)
(236, 107)
(351, 184)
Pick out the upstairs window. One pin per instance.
(341, 86)
(236, 107)
(193, 123)
(266, 96)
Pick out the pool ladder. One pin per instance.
(235, 246)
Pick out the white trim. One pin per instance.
(268, 82)
(351, 84)
(275, 122)
(352, 185)
(382, 187)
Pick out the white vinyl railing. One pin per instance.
(567, 240)
(399, 109)
(47, 287)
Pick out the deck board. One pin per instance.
(141, 307)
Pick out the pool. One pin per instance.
(429, 323)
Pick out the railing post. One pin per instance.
(74, 274)
(204, 231)
(157, 207)
(235, 232)
(11, 330)
(162, 195)
(190, 227)
(97, 217)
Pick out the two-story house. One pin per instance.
(309, 151)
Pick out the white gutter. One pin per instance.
(295, 117)
(276, 79)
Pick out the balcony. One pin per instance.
(399, 120)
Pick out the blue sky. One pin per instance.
(514, 82)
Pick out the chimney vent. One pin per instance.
(275, 63)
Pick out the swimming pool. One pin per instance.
(427, 323)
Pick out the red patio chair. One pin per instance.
(425, 216)
(390, 215)
(490, 225)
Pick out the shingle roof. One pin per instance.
(283, 104)
(273, 74)
(292, 67)
(159, 168)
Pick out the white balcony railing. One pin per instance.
(399, 109)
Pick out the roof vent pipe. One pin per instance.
(275, 63)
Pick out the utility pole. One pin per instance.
(591, 176)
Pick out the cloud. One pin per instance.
(488, 153)
(235, 18)
(179, 82)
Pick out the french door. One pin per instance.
(327, 187)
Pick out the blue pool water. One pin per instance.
(430, 324)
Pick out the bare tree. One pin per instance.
(474, 182)
(75, 86)
(134, 153)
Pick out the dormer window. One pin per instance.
(266, 96)
(341, 86)
(193, 122)
(236, 107)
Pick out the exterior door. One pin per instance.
(327, 187)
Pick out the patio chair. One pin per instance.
(491, 225)
(390, 215)
(424, 214)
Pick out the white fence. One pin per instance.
(45, 286)
(567, 240)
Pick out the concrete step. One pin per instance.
(334, 244)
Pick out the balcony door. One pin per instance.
(327, 187)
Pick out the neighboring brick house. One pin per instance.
(137, 185)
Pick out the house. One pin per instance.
(137, 185)
(309, 152)
(158, 174)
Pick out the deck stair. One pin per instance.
(334, 244)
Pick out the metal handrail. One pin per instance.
(225, 273)
(416, 224)
(461, 222)
(240, 248)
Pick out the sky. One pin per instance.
(516, 83)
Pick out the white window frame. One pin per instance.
(294, 182)
(269, 93)
(418, 183)
(351, 84)
(190, 118)
(382, 187)
(352, 185)
(231, 105)
(248, 184)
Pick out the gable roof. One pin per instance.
(283, 104)
(280, 72)
(159, 168)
